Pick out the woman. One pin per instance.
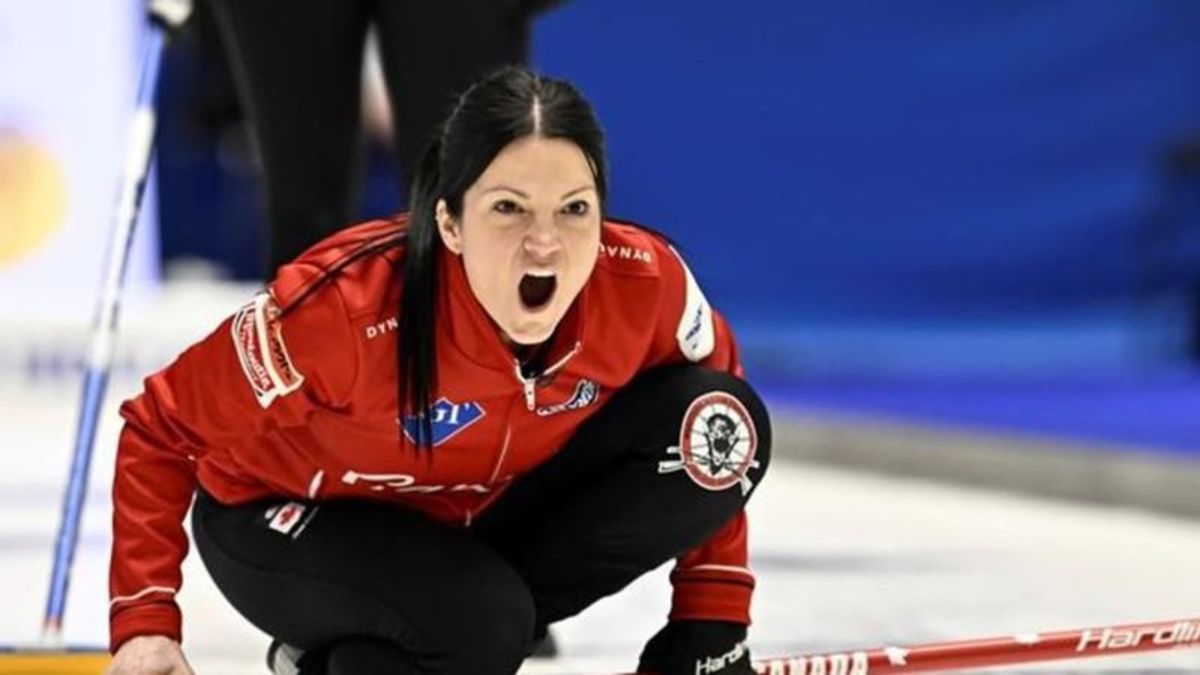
(435, 436)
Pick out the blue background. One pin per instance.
(928, 185)
(919, 186)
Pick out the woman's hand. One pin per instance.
(149, 655)
(688, 647)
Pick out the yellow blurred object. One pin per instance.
(53, 663)
(33, 197)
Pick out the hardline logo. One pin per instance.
(716, 664)
(1180, 633)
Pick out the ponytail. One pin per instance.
(417, 350)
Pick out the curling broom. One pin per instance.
(994, 652)
(50, 656)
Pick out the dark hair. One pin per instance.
(507, 105)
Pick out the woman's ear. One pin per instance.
(448, 228)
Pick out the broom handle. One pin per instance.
(166, 15)
(1009, 650)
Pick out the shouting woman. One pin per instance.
(432, 437)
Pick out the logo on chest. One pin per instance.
(448, 419)
(586, 393)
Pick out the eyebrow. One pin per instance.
(526, 195)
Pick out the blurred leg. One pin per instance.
(298, 70)
(432, 51)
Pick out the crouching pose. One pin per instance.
(434, 436)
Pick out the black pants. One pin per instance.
(297, 65)
(368, 584)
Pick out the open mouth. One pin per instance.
(537, 291)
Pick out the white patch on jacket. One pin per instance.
(258, 340)
(696, 333)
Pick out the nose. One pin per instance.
(541, 240)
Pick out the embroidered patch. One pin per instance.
(586, 393)
(449, 419)
(717, 443)
(695, 334)
(289, 518)
(258, 340)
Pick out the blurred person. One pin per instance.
(298, 69)
(434, 436)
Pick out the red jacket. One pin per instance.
(295, 396)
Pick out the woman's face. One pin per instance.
(528, 235)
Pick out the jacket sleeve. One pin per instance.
(712, 581)
(259, 370)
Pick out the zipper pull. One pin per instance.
(529, 400)
(526, 385)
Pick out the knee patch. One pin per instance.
(713, 426)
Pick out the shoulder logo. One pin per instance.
(717, 443)
(618, 252)
(449, 419)
(388, 325)
(258, 340)
(695, 334)
(586, 393)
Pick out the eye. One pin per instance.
(578, 207)
(506, 206)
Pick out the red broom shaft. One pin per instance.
(992, 652)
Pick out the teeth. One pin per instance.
(540, 274)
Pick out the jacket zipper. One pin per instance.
(528, 385)
(528, 389)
